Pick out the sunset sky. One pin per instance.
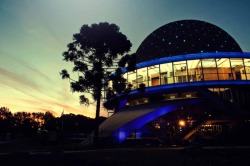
(34, 33)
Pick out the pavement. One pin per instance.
(133, 156)
(26, 153)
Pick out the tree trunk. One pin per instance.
(97, 115)
(98, 102)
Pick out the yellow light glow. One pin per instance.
(182, 123)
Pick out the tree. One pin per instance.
(5, 113)
(6, 121)
(94, 51)
(49, 121)
(120, 88)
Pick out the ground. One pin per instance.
(25, 153)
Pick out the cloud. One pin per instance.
(21, 64)
(14, 79)
(55, 106)
(36, 97)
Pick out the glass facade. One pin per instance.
(207, 69)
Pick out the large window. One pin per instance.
(189, 71)
(132, 78)
(194, 69)
(209, 70)
(180, 71)
(247, 68)
(224, 69)
(154, 76)
(166, 73)
(238, 68)
(142, 76)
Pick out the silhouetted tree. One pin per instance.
(49, 121)
(6, 121)
(142, 88)
(38, 117)
(93, 52)
(25, 124)
(119, 83)
(5, 113)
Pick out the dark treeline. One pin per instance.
(25, 125)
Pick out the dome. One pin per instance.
(185, 37)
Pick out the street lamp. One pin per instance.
(182, 123)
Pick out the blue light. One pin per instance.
(138, 135)
(121, 135)
(123, 132)
(190, 85)
(122, 104)
(192, 57)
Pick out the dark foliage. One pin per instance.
(93, 52)
(24, 124)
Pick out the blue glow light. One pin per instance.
(123, 132)
(121, 135)
(192, 86)
(138, 135)
(192, 57)
(122, 104)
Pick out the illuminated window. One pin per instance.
(209, 70)
(238, 67)
(153, 73)
(166, 73)
(224, 69)
(180, 71)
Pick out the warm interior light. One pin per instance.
(182, 123)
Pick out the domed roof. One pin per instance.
(185, 37)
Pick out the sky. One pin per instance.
(35, 33)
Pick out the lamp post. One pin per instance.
(62, 118)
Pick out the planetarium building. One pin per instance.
(196, 80)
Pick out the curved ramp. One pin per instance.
(121, 124)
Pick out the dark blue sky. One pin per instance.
(35, 33)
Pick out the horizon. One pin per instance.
(58, 115)
(34, 34)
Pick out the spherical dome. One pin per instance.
(185, 37)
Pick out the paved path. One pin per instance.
(237, 155)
